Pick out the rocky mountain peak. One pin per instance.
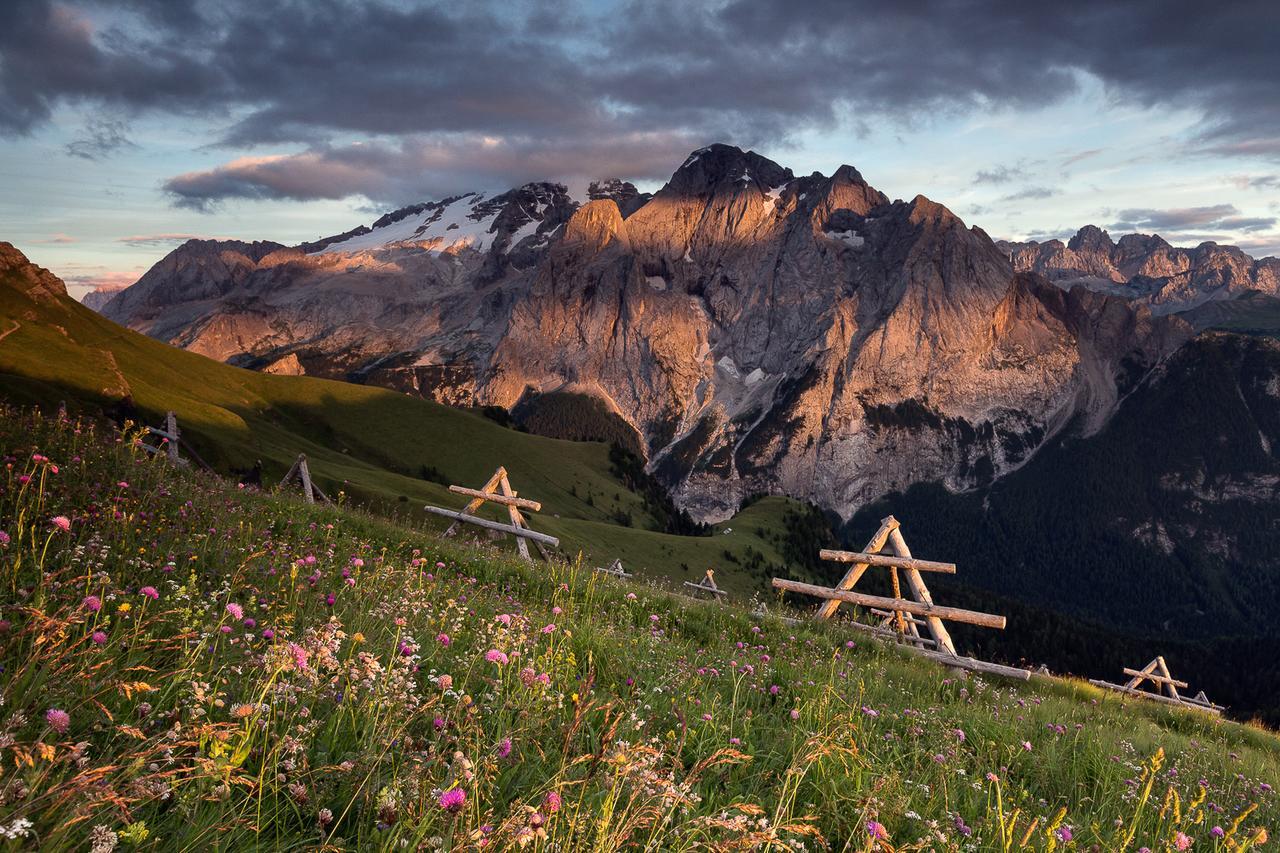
(1091, 238)
(724, 168)
(596, 224)
(36, 282)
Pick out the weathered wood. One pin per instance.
(921, 593)
(851, 577)
(304, 473)
(889, 614)
(889, 560)
(517, 520)
(698, 586)
(974, 664)
(889, 634)
(1170, 685)
(929, 610)
(1151, 676)
(1155, 697)
(475, 503)
(494, 525)
(159, 433)
(615, 568)
(171, 424)
(508, 500)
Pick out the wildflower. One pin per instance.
(552, 802)
(1217, 832)
(4, 538)
(150, 592)
(504, 747)
(549, 628)
(453, 799)
(235, 610)
(61, 522)
(495, 656)
(439, 565)
(249, 622)
(1026, 744)
(445, 681)
(877, 831)
(357, 562)
(57, 719)
(504, 618)
(268, 634)
(870, 712)
(1064, 834)
(1182, 841)
(443, 639)
(795, 713)
(239, 711)
(91, 603)
(631, 596)
(324, 817)
(99, 638)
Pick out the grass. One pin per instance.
(371, 443)
(187, 663)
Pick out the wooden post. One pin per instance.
(305, 473)
(171, 426)
(494, 525)
(921, 593)
(929, 611)
(516, 519)
(855, 572)
(474, 504)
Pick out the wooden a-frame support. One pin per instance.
(707, 585)
(497, 489)
(302, 473)
(902, 617)
(1157, 672)
(615, 568)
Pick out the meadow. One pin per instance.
(188, 662)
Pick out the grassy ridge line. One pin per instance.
(255, 673)
(371, 442)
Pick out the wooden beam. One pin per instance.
(474, 503)
(171, 424)
(921, 593)
(522, 503)
(974, 664)
(889, 634)
(1156, 697)
(890, 560)
(305, 473)
(851, 577)
(494, 525)
(1159, 679)
(928, 610)
(517, 520)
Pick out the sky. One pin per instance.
(129, 126)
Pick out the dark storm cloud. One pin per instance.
(1217, 217)
(556, 77)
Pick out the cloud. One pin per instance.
(1031, 193)
(57, 239)
(1000, 174)
(425, 167)
(100, 139)
(158, 239)
(84, 278)
(1081, 155)
(1257, 182)
(560, 79)
(1217, 217)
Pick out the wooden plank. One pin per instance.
(928, 610)
(711, 589)
(851, 577)
(1170, 684)
(304, 473)
(494, 525)
(1155, 697)
(1160, 679)
(505, 499)
(1142, 674)
(156, 431)
(888, 560)
(921, 593)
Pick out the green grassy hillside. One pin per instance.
(371, 443)
(187, 665)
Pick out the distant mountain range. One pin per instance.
(759, 331)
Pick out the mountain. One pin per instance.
(1145, 268)
(760, 332)
(98, 298)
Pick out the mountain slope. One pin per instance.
(758, 330)
(372, 443)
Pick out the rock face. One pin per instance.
(36, 282)
(762, 332)
(1146, 268)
